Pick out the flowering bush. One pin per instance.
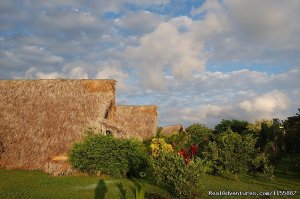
(158, 145)
(182, 177)
(188, 154)
(182, 180)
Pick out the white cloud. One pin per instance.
(68, 21)
(78, 73)
(266, 104)
(211, 96)
(74, 73)
(250, 31)
(201, 112)
(166, 48)
(139, 22)
(149, 2)
(116, 74)
(155, 50)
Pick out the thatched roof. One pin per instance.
(40, 119)
(140, 121)
(114, 128)
(170, 130)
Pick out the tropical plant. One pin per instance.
(98, 153)
(182, 179)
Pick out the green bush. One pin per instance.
(180, 179)
(238, 126)
(231, 153)
(178, 140)
(200, 135)
(137, 157)
(262, 164)
(98, 153)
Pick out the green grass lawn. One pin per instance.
(35, 184)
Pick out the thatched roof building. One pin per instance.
(140, 121)
(40, 119)
(170, 130)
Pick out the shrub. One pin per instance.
(106, 154)
(159, 145)
(239, 126)
(180, 179)
(178, 140)
(231, 153)
(200, 135)
(137, 158)
(262, 164)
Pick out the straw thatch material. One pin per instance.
(139, 121)
(40, 119)
(170, 130)
(108, 126)
(59, 165)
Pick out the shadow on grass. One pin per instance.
(100, 190)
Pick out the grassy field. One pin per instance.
(35, 184)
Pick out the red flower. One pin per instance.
(186, 155)
(193, 149)
(181, 152)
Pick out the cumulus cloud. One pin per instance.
(273, 104)
(251, 31)
(22, 56)
(212, 96)
(266, 104)
(166, 48)
(163, 55)
(140, 22)
(116, 74)
(74, 73)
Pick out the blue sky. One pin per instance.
(199, 61)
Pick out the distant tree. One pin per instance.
(231, 152)
(255, 127)
(292, 133)
(269, 134)
(200, 135)
(238, 126)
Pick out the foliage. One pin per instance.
(234, 154)
(182, 180)
(255, 128)
(270, 136)
(231, 152)
(140, 191)
(292, 136)
(200, 135)
(137, 158)
(261, 163)
(239, 126)
(159, 145)
(106, 154)
(189, 153)
(158, 131)
(178, 140)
